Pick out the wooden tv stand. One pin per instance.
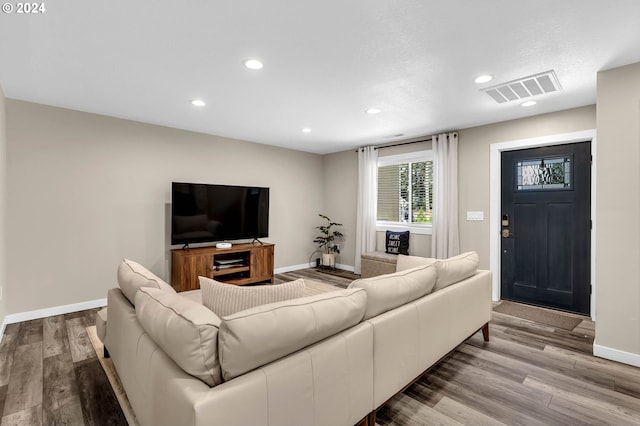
(255, 265)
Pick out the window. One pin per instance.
(405, 191)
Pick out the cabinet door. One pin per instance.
(191, 267)
(262, 263)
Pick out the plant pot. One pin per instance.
(329, 259)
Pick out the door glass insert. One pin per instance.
(544, 174)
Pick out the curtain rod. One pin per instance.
(399, 144)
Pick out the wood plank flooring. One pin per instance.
(50, 375)
(527, 374)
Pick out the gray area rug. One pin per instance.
(544, 316)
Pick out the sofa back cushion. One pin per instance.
(185, 330)
(455, 269)
(386, 292)
(408, 262)
(226, 299)
(132, 276)
(257, 336)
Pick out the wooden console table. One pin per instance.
(239, 265)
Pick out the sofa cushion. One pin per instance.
(257, 336)
(185, 330)
(409, 262)
(132, 276)
(386, 292)
(225, 299)
(455, 269)
(397, 242)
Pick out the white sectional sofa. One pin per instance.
(329, 359)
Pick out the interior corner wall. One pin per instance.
(618, 215)
(340, 191)
(85, 191)
(3, 173)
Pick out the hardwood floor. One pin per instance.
(527, 374)
(50, 375)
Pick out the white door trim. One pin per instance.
(495, 191)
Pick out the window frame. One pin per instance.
(409, 157)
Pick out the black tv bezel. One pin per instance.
(186, 242)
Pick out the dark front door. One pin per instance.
(546, 226)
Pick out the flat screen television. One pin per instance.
(203, 213)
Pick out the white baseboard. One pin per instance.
(345, 267)
(616, 355)
(48, 312)
(292, 268)
(56, 310)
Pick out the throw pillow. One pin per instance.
(397, 242)
(226, 299)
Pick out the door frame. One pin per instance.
(495, 199)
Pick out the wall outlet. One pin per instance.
(1, 288)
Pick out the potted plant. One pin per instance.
(326, 241)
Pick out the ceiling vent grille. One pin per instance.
(526, 87)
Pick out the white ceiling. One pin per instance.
(325, 62)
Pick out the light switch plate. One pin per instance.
(475, 215)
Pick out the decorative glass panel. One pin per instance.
(544, 174)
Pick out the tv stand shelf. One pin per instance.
(255, 264)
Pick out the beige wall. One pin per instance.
(3, 170)
(87, 190)
(341, 176)
(618, 211)
(474, 172)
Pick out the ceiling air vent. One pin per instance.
(521, 88)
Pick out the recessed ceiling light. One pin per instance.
(373, 111)
(529, 103)
(253, 64)
(306, 130)
(198, 102)
(483, 79)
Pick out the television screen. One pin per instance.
(207, 213)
